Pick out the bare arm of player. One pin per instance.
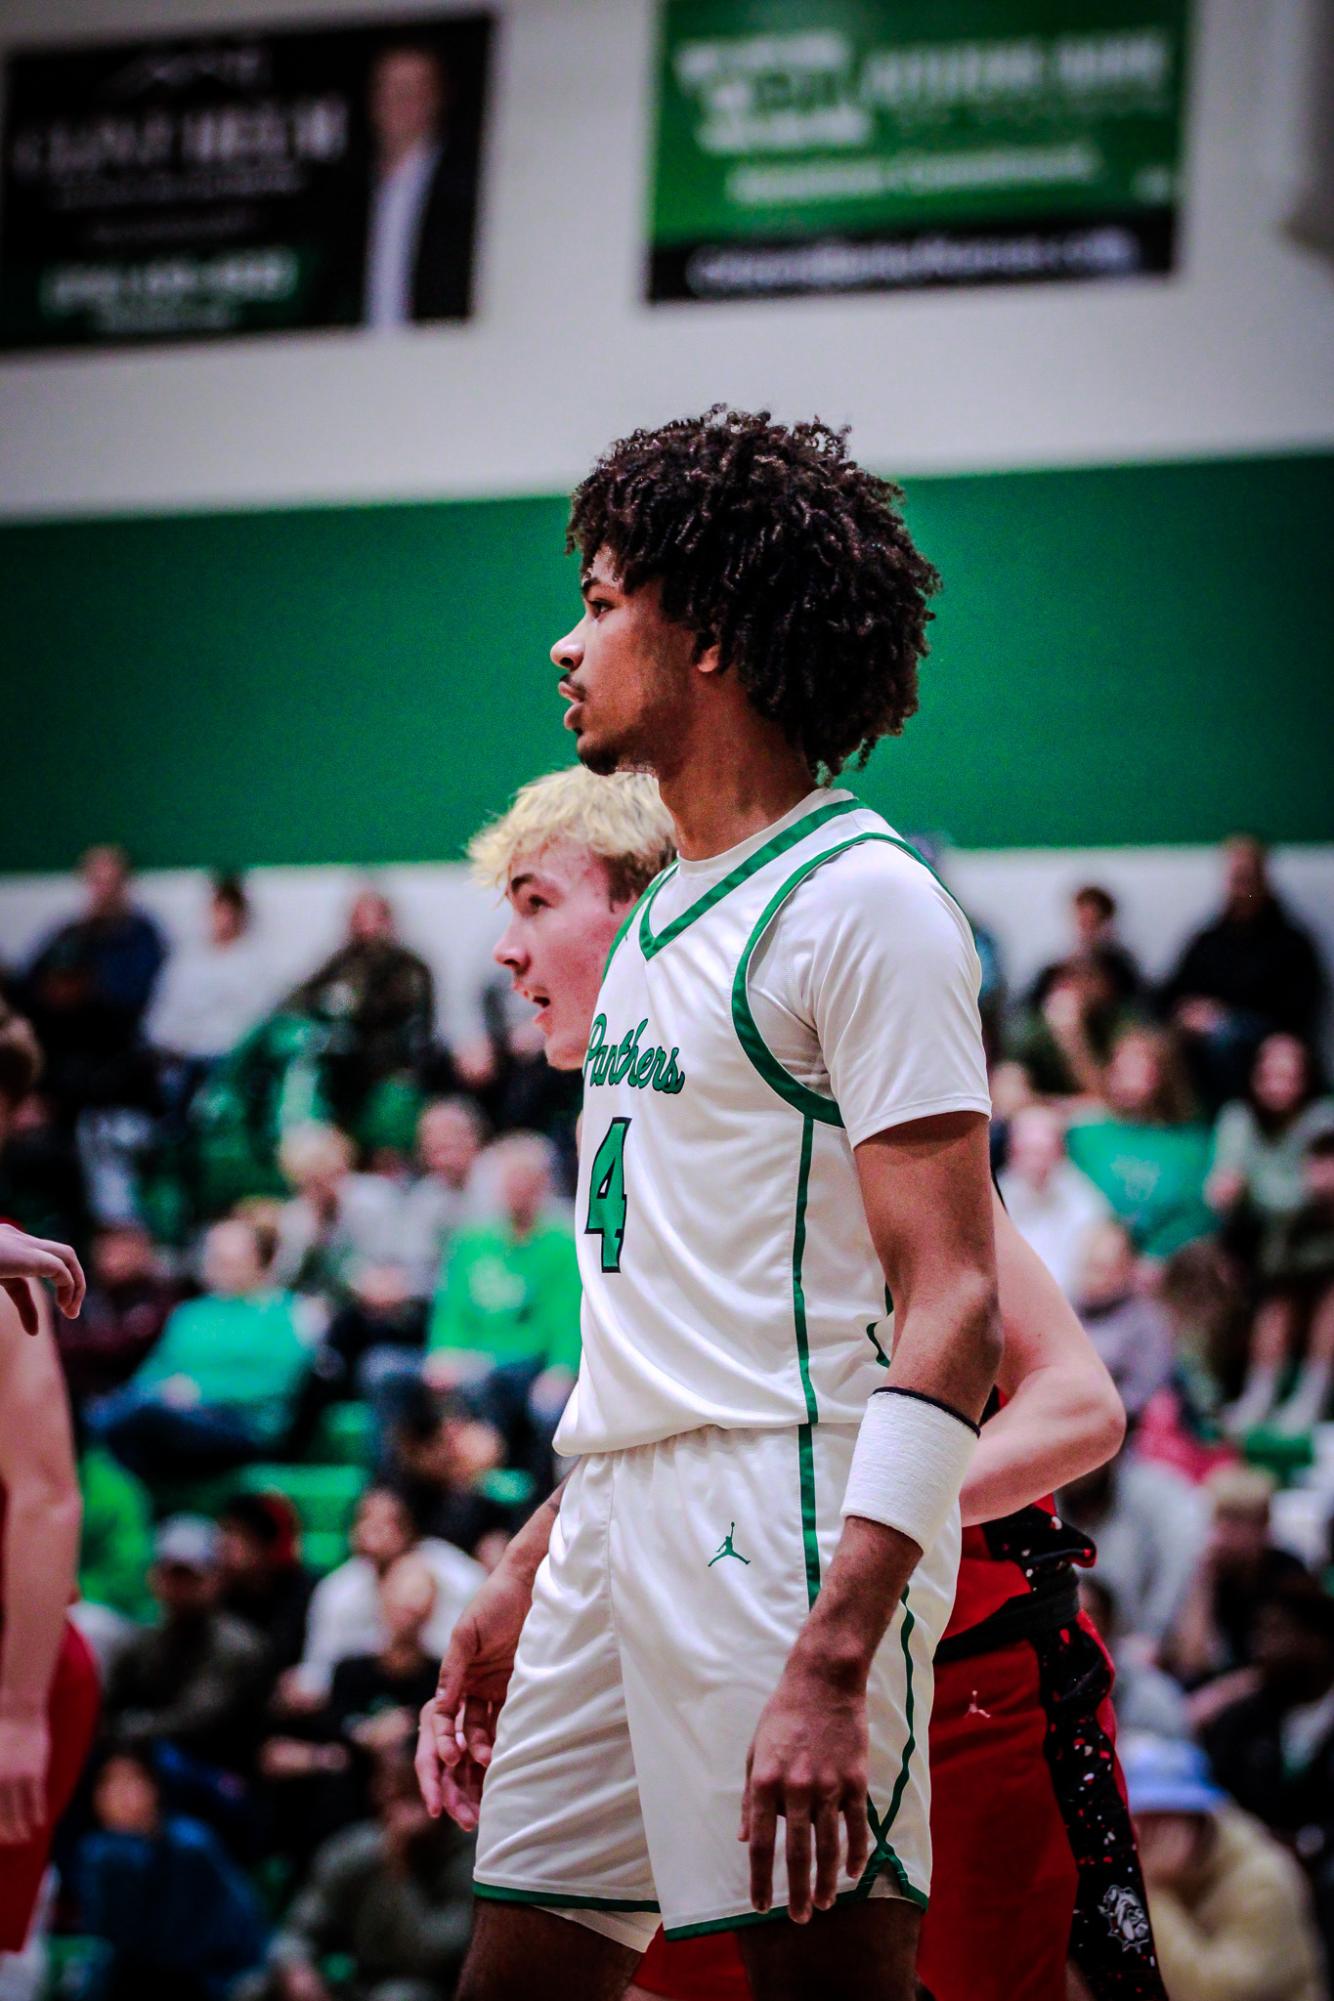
(39, 1562)
(926, 1186)
(457, 1730)
(1063, 1416)
(24, 1259)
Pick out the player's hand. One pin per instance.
(458, 1726)
(24, 1258)
(807, 1762)
(25, 1749)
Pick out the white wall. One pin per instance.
(1021, 894)
(1234, 354)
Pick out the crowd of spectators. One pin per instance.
(333, 1317)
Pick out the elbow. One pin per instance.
(1100, 1425)
(980, 1313)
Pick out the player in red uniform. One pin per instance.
(1020, 1715)
(48, 1685)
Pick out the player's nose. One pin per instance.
(509, 953)
(568, 652)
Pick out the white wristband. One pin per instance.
(909, 1463)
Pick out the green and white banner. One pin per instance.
(882, 145)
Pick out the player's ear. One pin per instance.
(706, 658)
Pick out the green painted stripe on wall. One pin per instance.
(1122, 655)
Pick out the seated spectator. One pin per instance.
(1093, 912)
(337, 1222)
(1270, 1182)
(325, 1764)
(115, 1553)
(1052, 1204)
(1261, 1141)
(378, 1000)
(1240, 1569)
(263, 1581)
(1146, 1699)
(1131, 1330)
(1253, 971)
(1145, 1153)
(1230, 1913)
(393, 1896)
(198, 1677)
(1273, 1747)
(441, 1199)
(220, 1387)
(345, 1609)
(446, 1449)
(509, 1298)
(41, 1179)
(509, 1291)
(125, 1309)
(89, 983)
(157, 1888)
(1065, 1039)
(1149, 1526)
(215, 988)
(86, 991)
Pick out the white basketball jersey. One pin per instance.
(729, 1277)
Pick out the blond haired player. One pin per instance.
(572, 854)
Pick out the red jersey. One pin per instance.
(1016, 1578)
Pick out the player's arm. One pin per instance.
(1063, 1416)
(926, 1189)
(458, 1725)
(40, 1558)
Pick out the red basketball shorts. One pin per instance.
(72, 1717)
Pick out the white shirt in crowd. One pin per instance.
(345, 1618)
(210, 996)
(367, 1227)
(1056, 1220)
(397, 207)
(1150, 1544)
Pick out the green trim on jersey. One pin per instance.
(810, 1541)
(554, 1900)
(631, 915)
(884, 1853)
(811, 1104)
(779, 845)
(911, 1894)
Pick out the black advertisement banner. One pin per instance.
(242, 184)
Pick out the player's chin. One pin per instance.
(597, 755)
(564, 1051)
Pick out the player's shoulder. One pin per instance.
(875, 873)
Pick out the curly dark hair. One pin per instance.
(772, 544)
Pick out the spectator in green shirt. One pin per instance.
(219, 1388)
(1145, 1152)
(505, 1318)
(509, 1290)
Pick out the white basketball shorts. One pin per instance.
(678, 1577)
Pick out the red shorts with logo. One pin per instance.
(72, 1716)
(1035, 1859)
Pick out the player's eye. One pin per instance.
(598, 605)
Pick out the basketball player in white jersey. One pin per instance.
(785, 1124)
(572, 854)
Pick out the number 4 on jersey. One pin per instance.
(606, 1194)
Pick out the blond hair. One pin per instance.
(620, 819)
